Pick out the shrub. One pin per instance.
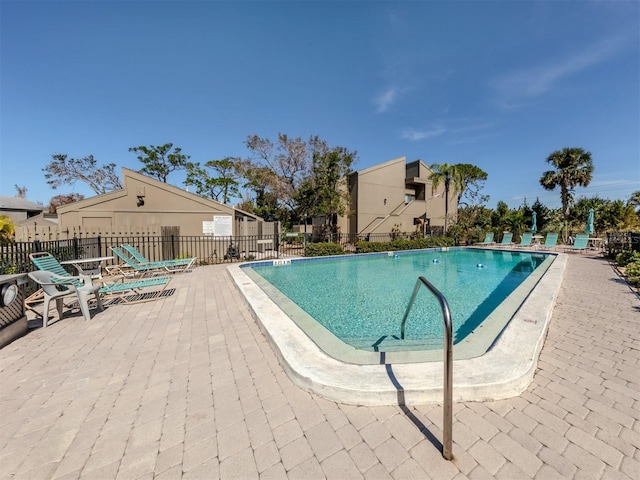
(322, 249)
(626, 257)
(633, 272)
(401, 244)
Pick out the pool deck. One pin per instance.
(189, 387)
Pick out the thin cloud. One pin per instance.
(386, 99)
(417, 135)
(537, 81)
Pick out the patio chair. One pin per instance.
(131, 267)
(488, 239)
(506, 240)
(525, 240)
(55, 287)
(551, 241)
(579, 244)
(127, 292)
(179, 264)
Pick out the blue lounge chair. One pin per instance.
(579, 244)
(177, 265)
(488, 239)
(551, 241)
(131, 267)
(506, 239)
(525, 240)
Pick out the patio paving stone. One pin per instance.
(188, 387)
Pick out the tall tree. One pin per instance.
(500, 216)
(266, 205)
(287, 163)
(573, 167)
(443, 173)
(60, 200)
(223, 184)
(63, 170)
(324, 192)
(160, 161)
(470, 182)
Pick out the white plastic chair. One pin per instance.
(50, 282)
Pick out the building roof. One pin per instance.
(17, 203)
(42, 219)
(131, 174)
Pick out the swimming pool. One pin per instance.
(497, 360)
(362, 299)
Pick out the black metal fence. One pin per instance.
(14, 257)
(621, 241)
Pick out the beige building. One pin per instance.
(396, 195)
(146, 202)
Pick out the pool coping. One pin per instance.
(474, 344)
(504, 371)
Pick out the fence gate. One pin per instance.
(170, 242)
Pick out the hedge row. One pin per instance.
(321, 249)
(401, 244)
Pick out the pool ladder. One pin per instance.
(448, 360)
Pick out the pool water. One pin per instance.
(362, 299)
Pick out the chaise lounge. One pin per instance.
(579, 244)
(177, 265)
(488, 239)
(506, 240)
(132, 267)
(525, 240)
(550, 241)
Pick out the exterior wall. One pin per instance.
(381, 191)
(163, 205)
(379, 203)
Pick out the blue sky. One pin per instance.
(497, 84)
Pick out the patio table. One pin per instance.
(88, 266)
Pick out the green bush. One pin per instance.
(401, 244)
(633, 272)
(626, 257)
(322, 249)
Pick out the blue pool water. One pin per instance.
(362, 299)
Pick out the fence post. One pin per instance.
(75, 247)
(99, 246)
(36, 245)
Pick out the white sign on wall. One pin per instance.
(207, 228)
(222, 226)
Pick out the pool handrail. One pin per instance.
(447, 425)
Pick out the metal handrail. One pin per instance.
(448, 360)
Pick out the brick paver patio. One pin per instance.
(187, 387)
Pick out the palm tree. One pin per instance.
(573, 168)
(447, 174)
